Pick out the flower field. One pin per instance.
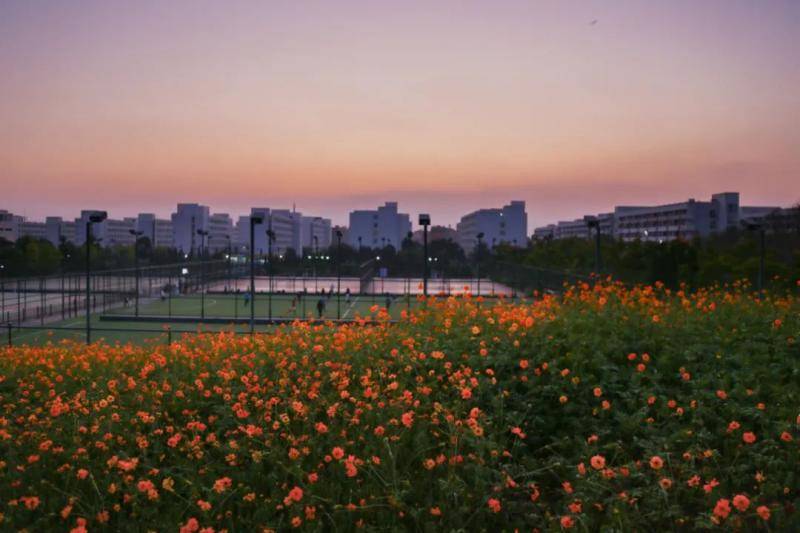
(604, 408)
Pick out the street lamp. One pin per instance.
(203, 234)
(136, 235)
(95, 217)
(270, 239)
(229, 257)
(593, 222)
(759, 227)
(409, 236)
(338, 274)
(425, 221)
(3, 291)
(254, 219)
(314, 262)
(478, 261)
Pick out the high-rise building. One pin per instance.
(110, 232)
(185, 222)
(280, 221)
(664, 222)
(9, 225)
(378, 228)
(220, 232)
(157, 230)
(57, 229)
(507, 225)
(36, 230)
(311, 233)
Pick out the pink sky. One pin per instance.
(444, 106)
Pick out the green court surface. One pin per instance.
(214, 305)
(283, 306)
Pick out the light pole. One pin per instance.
(593, 222)
(95, 217)
(203, 234)
(409, 236)
(3, 291)
(254, 219)
(314, 262)
(425, 221)
(338, 274)
(270, 239)
(136, 235)
(229, 258)
(478, 261)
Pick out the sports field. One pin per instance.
(212, 306)
(237, 306)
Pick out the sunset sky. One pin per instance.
(443, 106)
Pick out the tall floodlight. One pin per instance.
(424, 221)
(314, 261)
(478, 261)
(254, 219)
(338, 274)
(203, 234)
(95, 217)
(136, 235)
(270, 240)
(593, 222)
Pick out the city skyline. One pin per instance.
(446, 108)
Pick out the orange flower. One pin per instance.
(407, 419)
(741, 502)
(337, 452)
(296, 494)
(222, 484)
(518, 432)
(749, 437)
(656, 462)
(30, 502)
(763, 512)
(435, 511)
(494, 505)
(723, 508)
(597, 392)
(567, 522)
(598, 462)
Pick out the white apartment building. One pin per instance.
(185, 222)
(57, 228)
(311, 233)
(110, 232)
(281, 221)
(37, 230)
(572, 228)
(578, 228)
(378, 228)
(686, 220)
(508, 225)
(665, 222)
(220, 232)
(9, 225)
(158, 230)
